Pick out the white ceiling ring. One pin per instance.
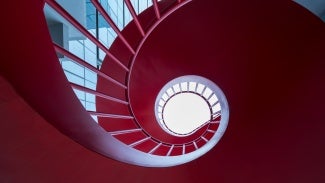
(187, 103)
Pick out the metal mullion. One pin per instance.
(180, 88)
(196, 86)
(86, 47)
(100, 8)
(74, 74)
(214, 104)
(84, 31)
(167, 95)
(174, 92)
(86, 64)
(205, 87)
(210, 96)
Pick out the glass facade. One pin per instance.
(67, 36)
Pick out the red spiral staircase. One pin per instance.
(270, 69)
(119, 107)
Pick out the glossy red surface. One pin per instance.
(268, 57)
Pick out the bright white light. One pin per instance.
(187, 103)
(185, 112)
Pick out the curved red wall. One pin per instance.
(272, 74)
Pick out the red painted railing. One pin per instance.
(146, 142)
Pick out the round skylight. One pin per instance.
(187, 103)
(184, 112)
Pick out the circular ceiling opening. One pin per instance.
(184, 112)
(187, 103)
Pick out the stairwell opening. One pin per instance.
(187, 103)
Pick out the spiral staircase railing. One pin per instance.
(133, 135)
